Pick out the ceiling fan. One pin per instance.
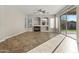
(41, 11)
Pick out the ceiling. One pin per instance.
(72, 12)
(31, 9)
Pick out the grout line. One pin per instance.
(58, 45)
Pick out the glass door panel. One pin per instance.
(71, 23)
(63, 24)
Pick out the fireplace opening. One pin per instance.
(36, 28)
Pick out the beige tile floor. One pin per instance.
(68, 45)
(25, 41)
(72, 35)
(39, 42)
(48, 46)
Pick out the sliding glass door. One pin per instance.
(71, 23)
(63, 23)
(68, 23)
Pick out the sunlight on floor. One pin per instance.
(48, 46)
(73, 36)
(68, 46)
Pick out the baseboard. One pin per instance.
(12, 36)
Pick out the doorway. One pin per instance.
(68, 23)
(71, 23)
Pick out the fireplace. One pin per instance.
(36, 28)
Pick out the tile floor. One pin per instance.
(68, 45)
(25, 42)
(48, 46)
(39, 42)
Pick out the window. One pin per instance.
(68, 23)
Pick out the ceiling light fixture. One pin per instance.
(41, 11)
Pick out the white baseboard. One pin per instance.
(12, 36)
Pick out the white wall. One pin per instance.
(11, 22)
